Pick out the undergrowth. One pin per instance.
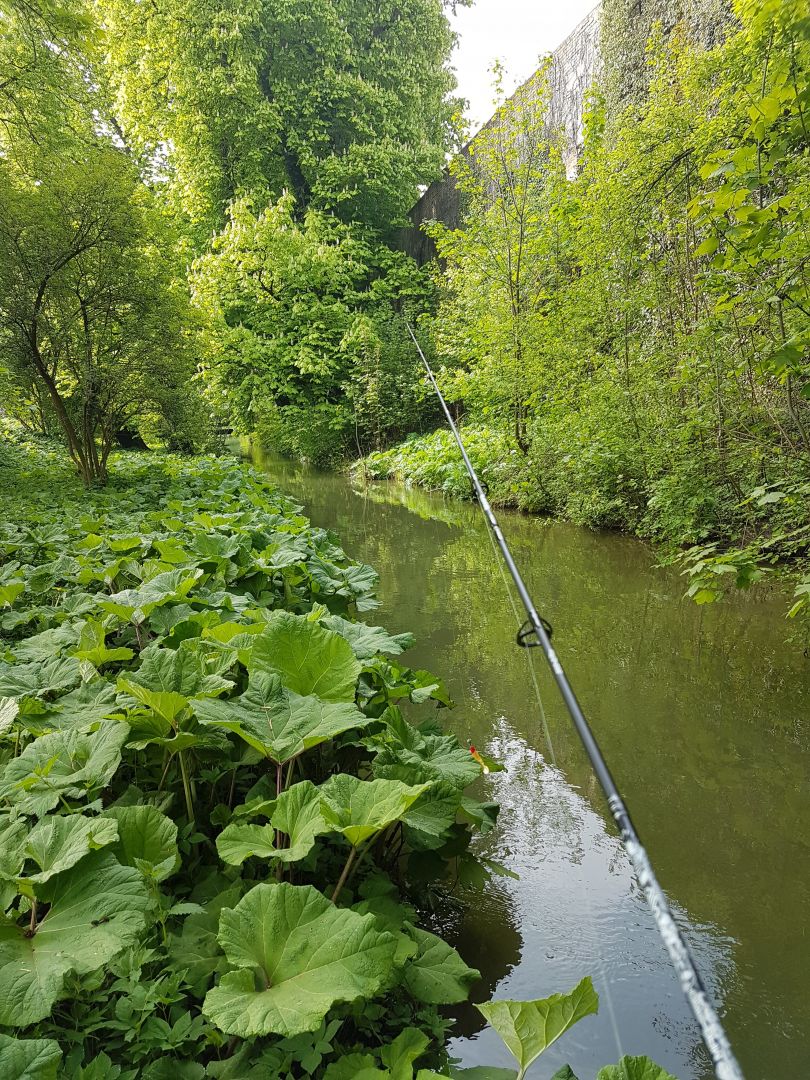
(766, 533)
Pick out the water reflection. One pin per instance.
(702, 713)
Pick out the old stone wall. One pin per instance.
(609, 44)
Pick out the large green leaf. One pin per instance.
(297, 955)
(45, 646)
(530, 1027)
(278, 722)
(82, 709)
(92, 645)
(168, 678)
(634, 1068)
(308, 658)
(435, 757)
(64, 764)
(135, 605)
(429, 820)
(147, 840)
(18, 680)
(9, 709)
(296, 814)
(361, 808)
(29, 1059)
(437, 975)
(96, 909)
(367, 640)
(13, 836)
(58, 842)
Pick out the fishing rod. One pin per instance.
(537, 632)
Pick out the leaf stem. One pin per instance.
(362, 858)
(344, 875)
(165, 770)
(186, 786)
(290, 771)
(32, 926)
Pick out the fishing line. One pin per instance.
(537, 632)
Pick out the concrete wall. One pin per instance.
(609, 43)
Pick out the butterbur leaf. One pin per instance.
(437, 975)
(278, 723)
(400, 1055)
(29, 1059)
(361, 808)
(13, 836)
(64, 764)
(430, 817)
(309, 659)
(530, 1027)
(168, 678)
(297, 955)
(367, 641)
(82, 709)
(438, 757)
(97, 909)
(296, 814)
(565, 1073)
(134, 605)
(92, 645)
(482, 814)
(147, 840)
(18, 680)
(44, 646)
(9, 591)
(8, 713)
(634, 1068)
(57, 843)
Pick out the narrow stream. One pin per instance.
(703, 716)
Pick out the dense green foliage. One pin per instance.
(297, 134)
(261, 156)
(98, 335)
(342, 102)
(308, 345)
(640, 336)
(221, 795)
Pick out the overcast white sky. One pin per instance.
(516, 32)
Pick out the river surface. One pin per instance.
(703, 717)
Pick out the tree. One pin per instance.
(47, 99)
(500, 265)
(94, 328)
(342, 102)
(307, 338)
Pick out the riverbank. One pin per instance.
(736, 544)
(190, 709)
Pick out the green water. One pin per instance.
(703, 716)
